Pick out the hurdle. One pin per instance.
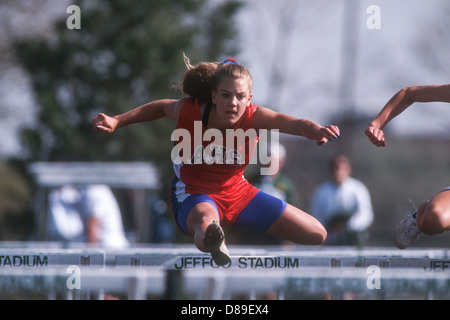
(182, 272)
(297, 257)
(143, 283)
(318, 283)
(301, 271)
(55, 283)
(35, 258)
(29, 262)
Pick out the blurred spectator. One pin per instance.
(65, 221)
(104, 219)
(343, 205)
(162, 228)
(88, 214)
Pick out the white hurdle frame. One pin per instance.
(180, 272)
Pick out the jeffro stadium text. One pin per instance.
(241, 262)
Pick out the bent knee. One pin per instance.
(319, 236)
(324, 236)
(435, 219)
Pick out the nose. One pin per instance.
(234, 101)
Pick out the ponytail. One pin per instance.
(199, 81)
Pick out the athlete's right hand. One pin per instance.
(102, 122)
(376, 136)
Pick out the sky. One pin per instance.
(302, 55)
(23, 19)
(308, 47)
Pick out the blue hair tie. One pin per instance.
(231, 60)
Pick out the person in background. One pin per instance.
(87, 214)
(65, 221)
(343, 205)
(103, 217)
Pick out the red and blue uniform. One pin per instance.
(220, 182)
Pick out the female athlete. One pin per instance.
(205, 194)
(433, 216)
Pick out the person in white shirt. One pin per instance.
(89, 214)
(65, 222)
(103, 217)
(343, 205)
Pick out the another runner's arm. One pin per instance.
(406, 97)
(399, 103)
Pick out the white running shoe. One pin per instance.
(407, 231)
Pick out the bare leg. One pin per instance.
(298, 226)
(199, 218)
(433, 217)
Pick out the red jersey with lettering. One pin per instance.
(212, 164)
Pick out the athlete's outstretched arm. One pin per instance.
(399, 103)
(148, 112)
(268, 119)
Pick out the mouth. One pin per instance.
(231, 113)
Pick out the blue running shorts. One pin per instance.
(259, 214)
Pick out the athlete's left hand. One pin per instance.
(328, 133)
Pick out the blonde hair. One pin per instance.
(199, 81)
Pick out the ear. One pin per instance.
(213, 96)
(249, 99)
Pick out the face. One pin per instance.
(341, 171)
(231, 98)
